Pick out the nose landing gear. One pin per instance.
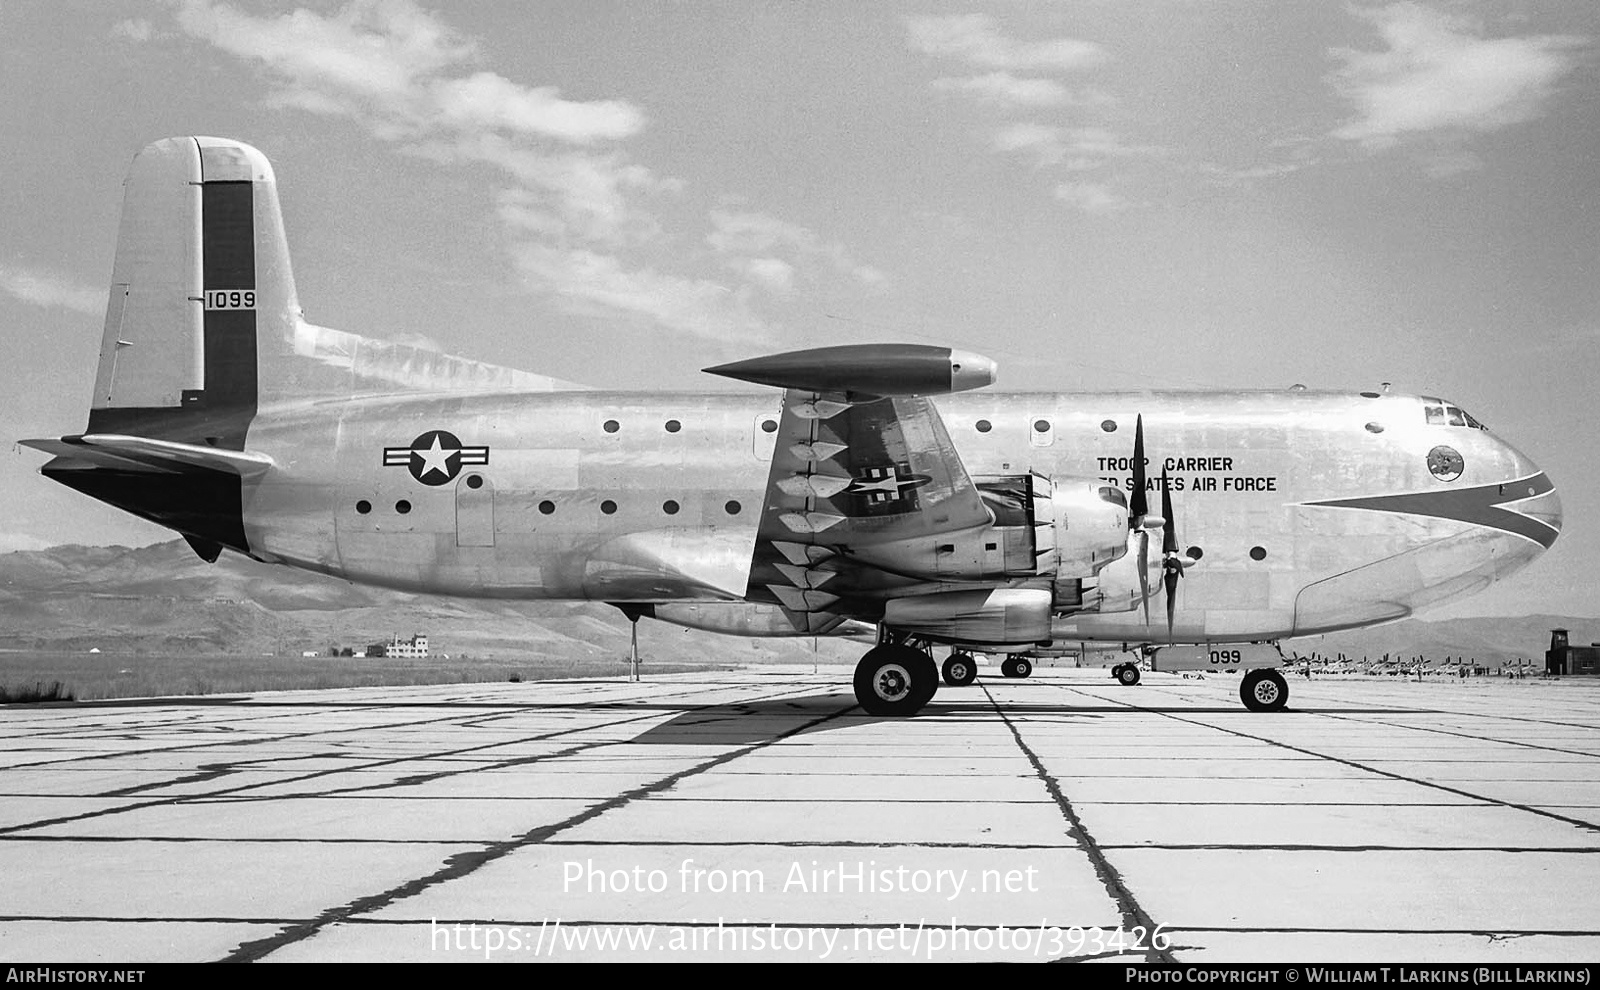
(1264, 690)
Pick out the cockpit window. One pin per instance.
(1441, 413)
(1113, 495)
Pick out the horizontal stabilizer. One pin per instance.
(135, 453)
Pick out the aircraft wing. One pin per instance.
(866, 493)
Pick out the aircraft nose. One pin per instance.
(1544, 507)
(1530, 493)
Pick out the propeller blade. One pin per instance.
(1171, 562)
(1169, 527)
(1171, 580)
(1138, 505)
(1144, 574)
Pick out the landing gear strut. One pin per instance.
(960, 669)
(1126, 674)
(1264, 690)
(894, 679)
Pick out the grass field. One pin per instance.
(88, 677)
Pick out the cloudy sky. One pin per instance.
(1097, 194)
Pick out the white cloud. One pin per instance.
(52, 290)
(750, 231)
(1072, 148)
(487, 100)
(1045, 143)
(136, 29)
(974, 39)
(1438, 73)
(1094, 198)
(396, 65)
(773, 274)
(575, 210)
(374, 49)
(581, 196)
(585, 280)
(739, 233)
(1007, 89)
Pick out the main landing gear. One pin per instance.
(1015, 666)
(895, 679)
(960, 669)
(1264, 690)
(1127, 674)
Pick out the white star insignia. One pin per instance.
(434, 459)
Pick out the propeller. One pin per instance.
(1139, 518)
(1142, 522)
(1172, 562)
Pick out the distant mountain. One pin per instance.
(162, 598)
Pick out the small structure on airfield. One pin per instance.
(415, 648)
(1562, 658)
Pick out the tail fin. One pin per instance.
(203, 325)
(201, 272)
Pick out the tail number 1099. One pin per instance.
(230, 299)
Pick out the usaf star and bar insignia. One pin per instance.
(435, 457)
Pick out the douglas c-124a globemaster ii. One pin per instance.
(1017, 524)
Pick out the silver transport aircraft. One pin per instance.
(1013, 524)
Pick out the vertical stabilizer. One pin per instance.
(201, 273)
(203, 327)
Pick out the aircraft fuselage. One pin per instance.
(634, 497)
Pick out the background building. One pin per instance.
(415, 648)
(1562, 658)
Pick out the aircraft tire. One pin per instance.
(895, 680)
(1016, 667)
(960, 669)
(1264, 690)
(1128, 675)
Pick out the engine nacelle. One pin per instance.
(754, 619)
(1091, 526)
(999, 615)
(1117, 588)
